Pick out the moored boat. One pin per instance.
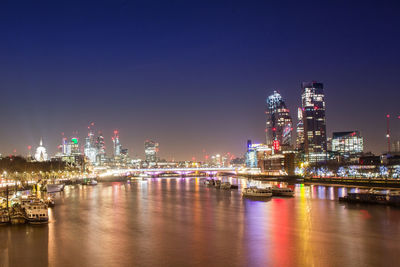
(53, 188)
(36, 213)
(208, 182)
(49, 201)
(26, 200)
(17, 215)
(257, 192)
(373, 196)
(90, 182)
(225, 185)
(282, 192)
(4, 216)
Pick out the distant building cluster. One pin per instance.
(292, 147)
(281, 152)
(312, 152)
(92, 153)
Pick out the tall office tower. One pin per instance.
(90, 150)
(279, 123)
(117, 145)
(101, 149)
(74, 146)
(300, 130)
(314, 121)
(64, 145)
(150, 150)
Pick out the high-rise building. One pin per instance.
(116, 144)
(150, 150)
(300, 130)
(347, 143)
(314, 122)
(64, 145)
(101, 149)
(74, 146)
(90, 150)
(279, 123)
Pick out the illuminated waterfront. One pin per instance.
(183, 222)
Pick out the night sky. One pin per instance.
(192, 75)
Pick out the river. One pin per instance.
(182, 222)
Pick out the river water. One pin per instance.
(182, 222)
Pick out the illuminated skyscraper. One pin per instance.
(101, 149)
(90, 148)
(116, 144)
(300, 130)
(313, 107)
(279, 123)
(74, 144)
(150, 150)
(64, 146)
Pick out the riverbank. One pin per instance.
(345, 181)
(383, 183)
(262, 177)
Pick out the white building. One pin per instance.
(41, 154)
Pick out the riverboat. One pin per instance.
(53, 188)
(90, 182)
(26, 200)
(225, 185)
(257, 192)
(37, 213)
(4, 216)
(17, 215)
(282, 192)
(373, 197)
(49, 201)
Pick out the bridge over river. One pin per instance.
(180, 171)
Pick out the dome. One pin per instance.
(41, 154)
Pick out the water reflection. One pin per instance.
(181, 221)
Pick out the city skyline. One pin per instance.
(174, 80)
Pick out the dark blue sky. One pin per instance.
(192, 75)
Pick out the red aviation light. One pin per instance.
(276, 145)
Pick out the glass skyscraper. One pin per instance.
(314, 122)
(150, 150)
(279, 123)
